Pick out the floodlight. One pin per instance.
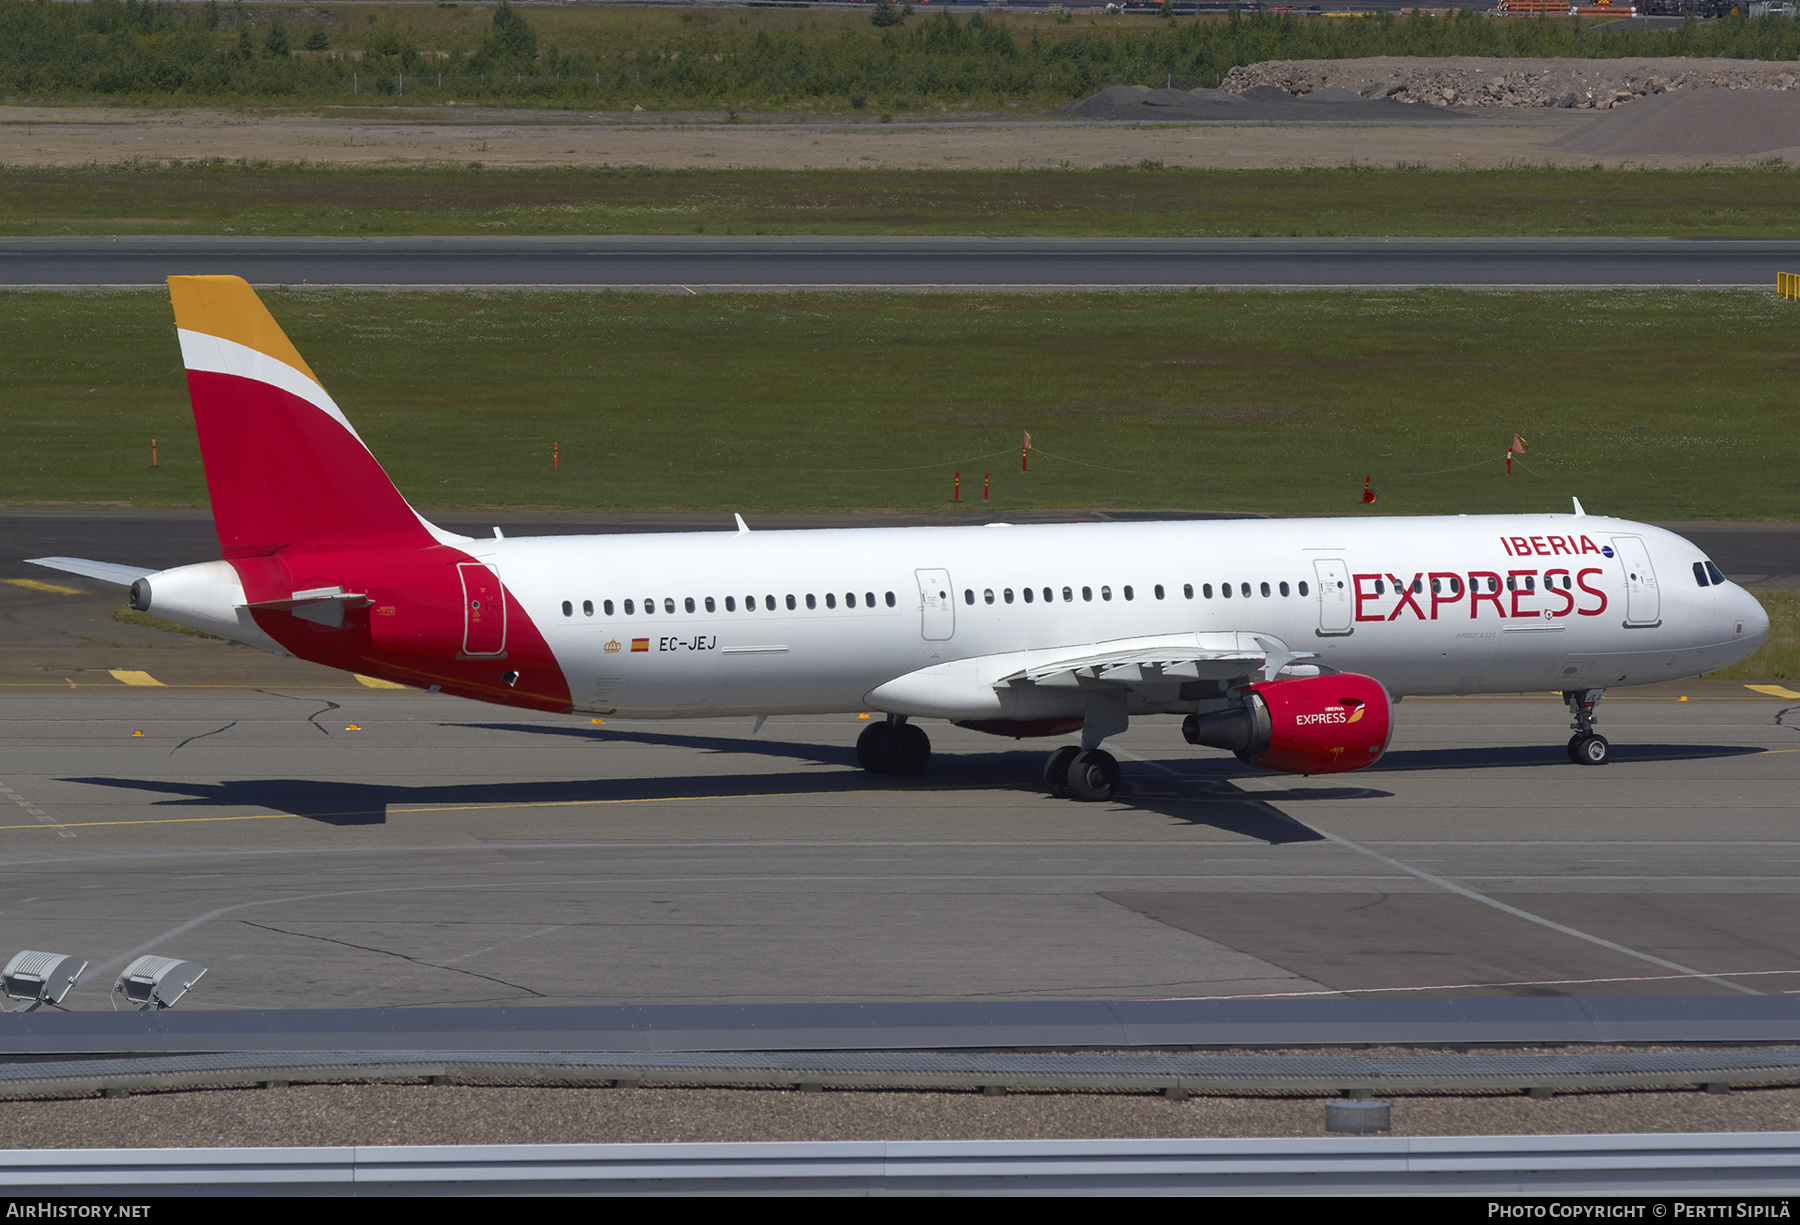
(40, 978)
(157, 982)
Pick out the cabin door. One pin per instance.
(484, 611)
(937, 605)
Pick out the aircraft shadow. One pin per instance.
(351, 804)
(1228, 810)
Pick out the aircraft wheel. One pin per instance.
(1094, 775)
(905, 750)
(868, 747)
(1056, 771)
(1592, 751)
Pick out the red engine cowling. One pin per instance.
(1307, 725)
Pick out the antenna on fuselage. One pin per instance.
(1578, 509)
(743, 528)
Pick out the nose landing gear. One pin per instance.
(1586, 747)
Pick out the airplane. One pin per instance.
(1283, 641)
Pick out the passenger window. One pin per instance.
(688, 603)
(1245, 588)
(830, 600)
(968, 595)
(606, 607)
(1225, 590)
(710, 606)
(1159, 591)
(569, 609)
(849, 599)
(1418, 585)
(1087, 593)
(769, 602)
(791, 603)
(1030, 595)
(890, 599)
(1284, 591)
(1187, 591)
(1531, 582)
(1303, 587)
(730, 603)
(1265, 591)
(1435, 588)
(1512, 584)
(1049, 595)
(988, 595)
(1106, 593)
(1206, 590)
(627, 608)
(669, 605)
(869, 598)
(1127, 590)
(1068, 596)
(1380, 588)
(1007, 595)
(587, 608)
(810, 601)
(1455, 587)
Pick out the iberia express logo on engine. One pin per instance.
(1349, 712)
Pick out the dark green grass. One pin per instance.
(289, 200)
(1645, 404)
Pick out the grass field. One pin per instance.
(291, 200)
(1645, 404)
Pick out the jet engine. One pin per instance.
(1306, 725)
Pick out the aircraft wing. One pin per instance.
(1006, 684)
(105, 571)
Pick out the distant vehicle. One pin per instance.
(1283, 641)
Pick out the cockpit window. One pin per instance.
(1717, 577)
(1700, 574)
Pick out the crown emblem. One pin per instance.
(612, 646)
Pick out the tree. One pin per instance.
(318, 40)
(513, 38)
(276, 41)
(886, 13)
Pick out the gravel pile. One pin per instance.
(1261, 104)
(1469, 81)
(1713, 123)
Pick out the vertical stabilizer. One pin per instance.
(283, 464)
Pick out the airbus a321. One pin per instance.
(1285, 642)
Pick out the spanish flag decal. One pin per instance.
(640, 644)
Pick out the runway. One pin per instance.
(725, 263)
(371, 848)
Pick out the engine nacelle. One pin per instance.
(1305, 725)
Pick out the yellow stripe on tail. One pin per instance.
(226, 307)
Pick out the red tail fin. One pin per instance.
(283, 464)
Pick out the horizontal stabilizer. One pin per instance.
(105, 571)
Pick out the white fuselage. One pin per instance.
(1503, 604)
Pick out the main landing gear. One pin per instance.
(1074, 773)
(1089, 772)
(894, 747)
(1586, 747)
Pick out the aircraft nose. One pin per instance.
(1753, 616)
